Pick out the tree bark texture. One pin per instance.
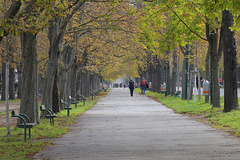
(215, 70)
(55, 101)
(12, 83)
(19, 91)
(3, 81)
(230, 64)
(78, 86)
(207, 68)
(67, 58)
(184, 80)
(85, 85)
(73, 84)
(29, 101)
(168, 82)
(56, 33)
(174, 73)
(54, 53)
(190, 88)
(156, 84)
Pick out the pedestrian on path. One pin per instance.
(143, 86)
(131, 87)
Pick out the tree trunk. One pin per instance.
(54, 53)
(230, 64)
(207, 68)
(85, 83)
(55, 101)
(12, 83)
(215, 71)
(3, 81)
(19, 91)
(190, 88)
(184, 80)
(156, 85)
(174, 73)
(168, 78)
(29, 101)
(74, 80)
(78, 85)
(57, 29)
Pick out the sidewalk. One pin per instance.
(121, 127)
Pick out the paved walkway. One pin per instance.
(121, 127)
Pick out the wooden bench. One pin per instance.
(66, 107)
(25, 123)
(73, 101)
(50, 114)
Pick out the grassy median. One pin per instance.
(14, 147)
(201, 111)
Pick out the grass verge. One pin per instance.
(14, 147)
(201, 111)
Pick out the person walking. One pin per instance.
(131, 87)
(143, 86)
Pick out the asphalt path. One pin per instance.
(121, 127)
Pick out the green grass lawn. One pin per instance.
(14, 147)
(229, 122)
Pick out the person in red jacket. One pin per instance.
(143, 86)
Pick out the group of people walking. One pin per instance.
(143, 86)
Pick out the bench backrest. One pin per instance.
(71, 98)
(15, 112)
(42, 107)
(65, 103)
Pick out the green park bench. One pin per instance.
(95, 92)
(92, 93)
(24, 124)
(66, 107)
(177, 94)
(50, 114)
(73, 101)
(82, 98)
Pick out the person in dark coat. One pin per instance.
(131, 87)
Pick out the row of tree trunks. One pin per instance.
(160, 72)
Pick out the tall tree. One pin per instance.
(230, 63)
(57, 30)
(29, 100)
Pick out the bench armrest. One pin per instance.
(51, 111)
(24, 121)
(25, 116)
